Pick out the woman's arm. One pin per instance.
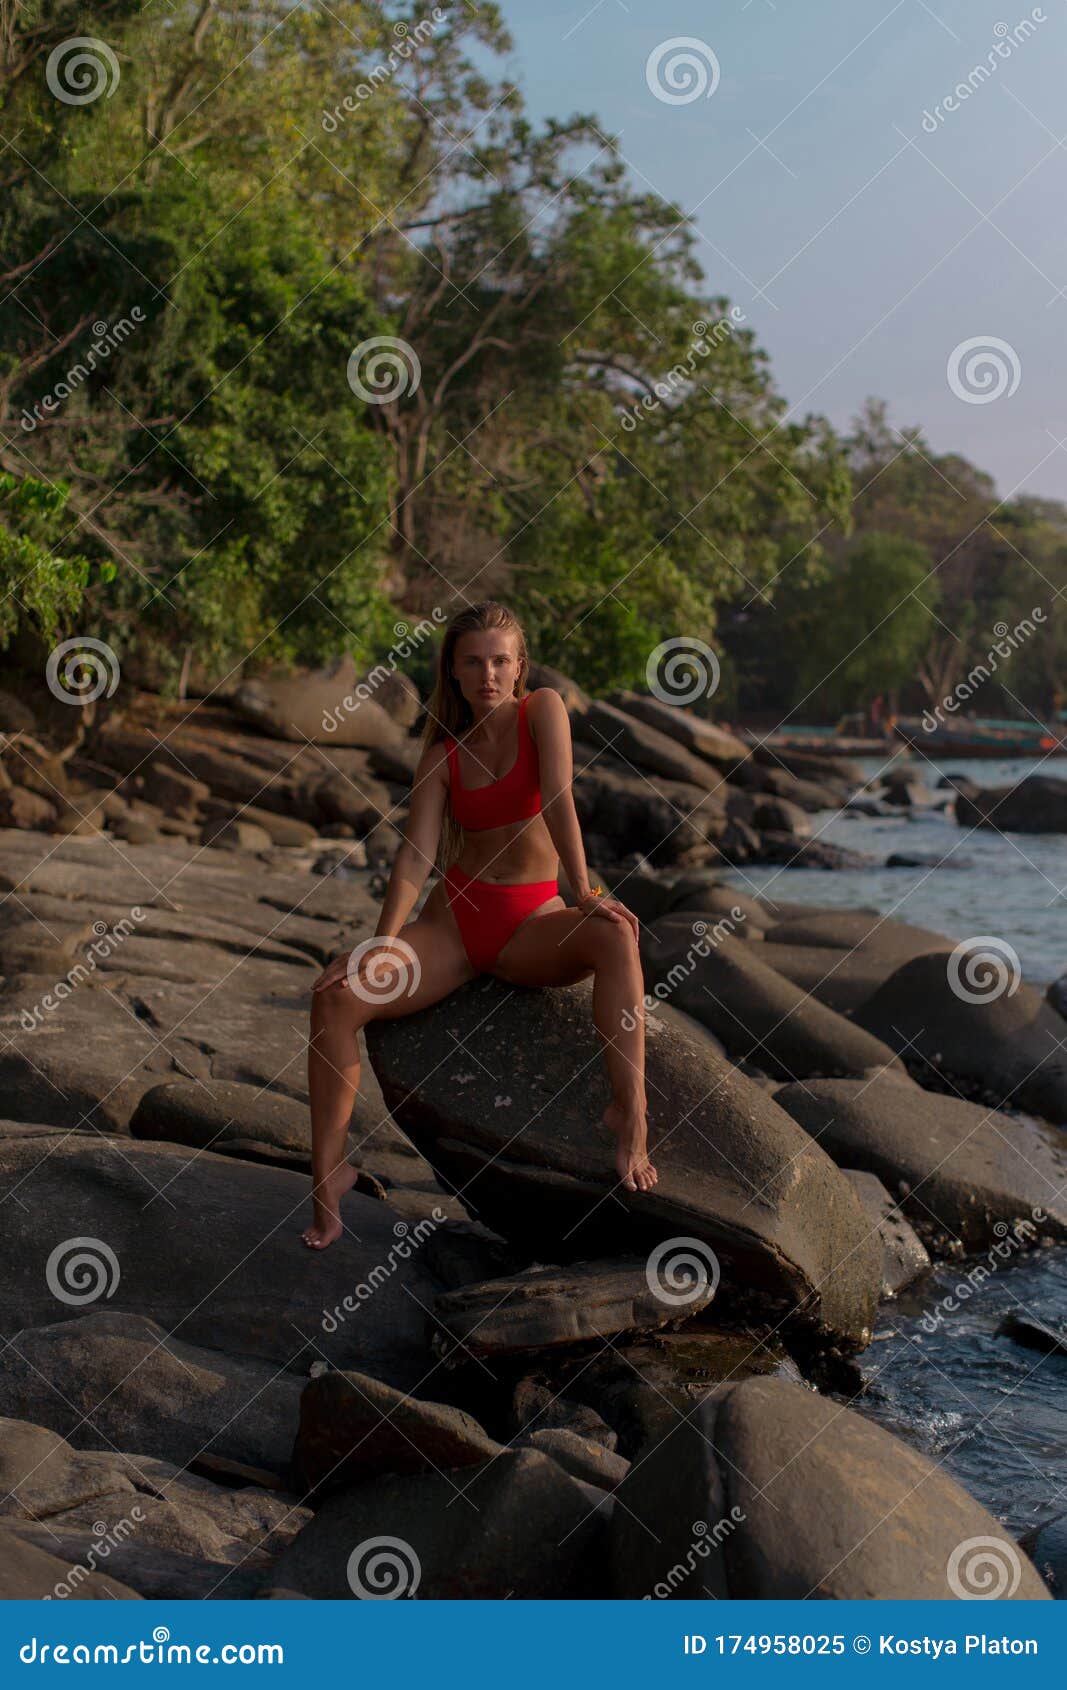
(414, 858)
(551, 728)
(418, 847)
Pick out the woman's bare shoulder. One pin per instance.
(546, 706)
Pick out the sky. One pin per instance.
(867, 229)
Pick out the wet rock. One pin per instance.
(905, 1256)
(927, 859)
(1047, 1547)
(517, 1134)
(352, 1427)
(810, 853)
(960, 1171)
(1035, 1334)
(770, 1491)
(1037, 804)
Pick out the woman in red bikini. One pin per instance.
(492, 798)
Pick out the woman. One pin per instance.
(495, 781)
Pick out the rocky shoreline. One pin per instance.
(533, 1383)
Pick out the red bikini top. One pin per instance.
(512, 798)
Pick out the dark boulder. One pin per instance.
(517, 1526)
(353, 1427)
(960, 1172)
(516, 1130)
(1038, 804)
(771, 1492)
(966, 1021)
(759, 1015)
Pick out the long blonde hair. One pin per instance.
(448, 713)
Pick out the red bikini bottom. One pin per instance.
(488, 914)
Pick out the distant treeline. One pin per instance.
(208, 213)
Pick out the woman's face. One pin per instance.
(486, 666)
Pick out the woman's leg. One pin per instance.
(559, 947)
(434, 962)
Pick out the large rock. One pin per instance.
(771, 1492)
(1004, 1047)
(103, 1505)
(30, 1574)
(665, 820)
(892, 942)
(353, 1427)
(330, 706)
(544, 1308)
(516, 1526)
(211, 1249)
(1038, 804)
(760, 1016)
(515, 1128)
(960, 1172)
(702, 738)
(119, 1381)
(644, 746)
(905, 1256)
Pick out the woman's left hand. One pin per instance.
(611, 909)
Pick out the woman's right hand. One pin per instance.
(333, 972)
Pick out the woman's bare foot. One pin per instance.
(631, 1159)
(326, 1225)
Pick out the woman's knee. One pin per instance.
(338, 1005)
(613, 945)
